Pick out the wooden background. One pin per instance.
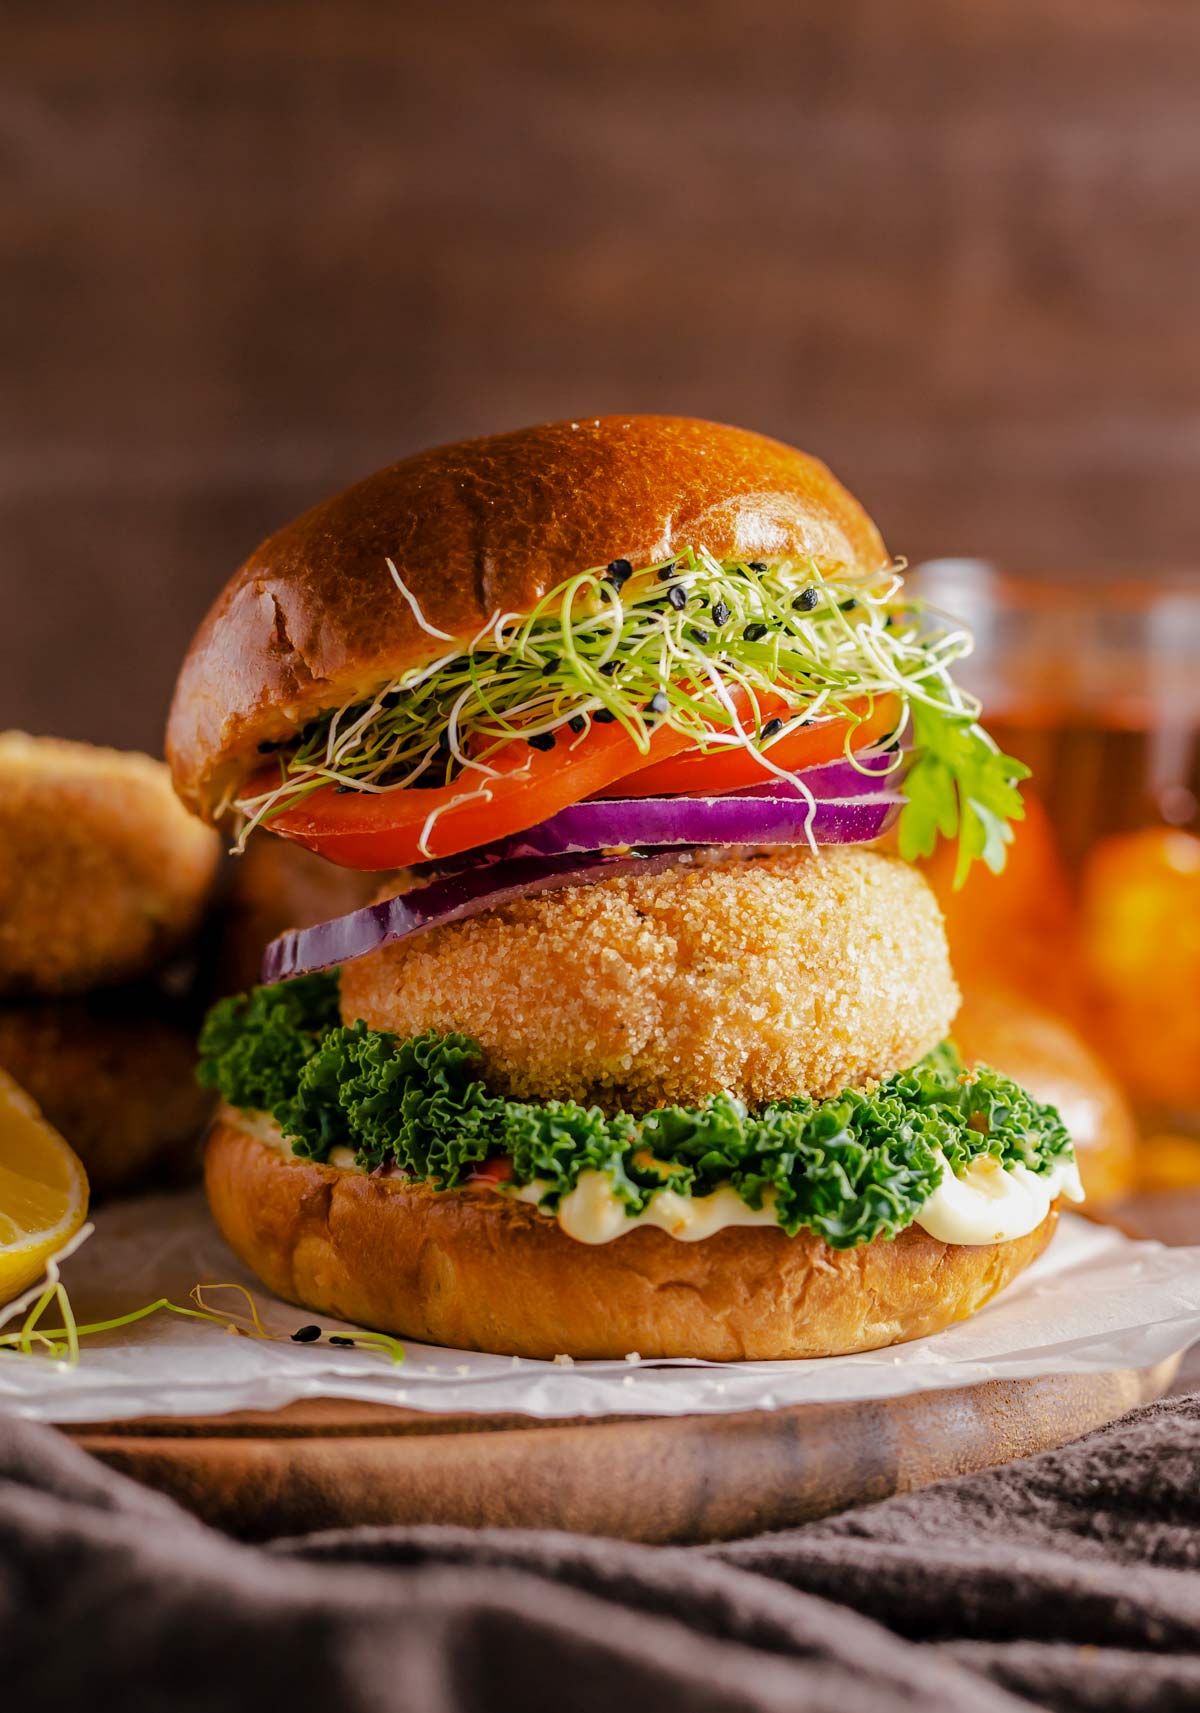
(251, 249)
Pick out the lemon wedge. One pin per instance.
(43, 1191)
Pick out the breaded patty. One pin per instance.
(115, 1078)
(102, 871)
(780, 975)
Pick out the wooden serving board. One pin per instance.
(329, 1464)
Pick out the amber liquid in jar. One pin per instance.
(1094, 683)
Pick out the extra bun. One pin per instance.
(475, 1270)
(312, 620)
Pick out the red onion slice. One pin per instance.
(839, 778)
(450, 898)
(576, 848)
(785, 819)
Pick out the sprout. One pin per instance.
(692, 629)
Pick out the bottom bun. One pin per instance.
(475, 1270)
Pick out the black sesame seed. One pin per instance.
(604, 716)
(807, 599)
(607, 670)
(341, 790)
(756, 565)
(847, 606)
(551, 666)
(342, 1343)
(443, 742)
(666, 572)
(720, 614)
(541, 740)
(619, 572)
(577, 722)
(701, 636)
(306, 1335)
(754, 632)
(772, 728)
(677, 595)
(658, 703)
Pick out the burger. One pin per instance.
(643, 1044)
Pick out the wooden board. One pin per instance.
(328, 1464)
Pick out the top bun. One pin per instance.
(313, 619)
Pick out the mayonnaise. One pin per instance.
(991, 1203)
(988, 1203)
(593, 1213)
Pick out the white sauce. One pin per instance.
(593, 1213)
(988, 1203)
(991, 1203)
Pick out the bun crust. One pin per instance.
(474, 1270)
(312, 619)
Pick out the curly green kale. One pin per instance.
(852, 1168)
(254, 1046)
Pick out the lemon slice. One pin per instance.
(43, 1191)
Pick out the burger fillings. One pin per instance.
(702, 1105)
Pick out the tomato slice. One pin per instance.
(731, 769)
(383, 829)
(498, 1170)
(393, 829)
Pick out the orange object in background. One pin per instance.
(1015, 929)
(1140, 956)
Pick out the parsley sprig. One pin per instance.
(959, 785)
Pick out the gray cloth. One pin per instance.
(1066, 1582)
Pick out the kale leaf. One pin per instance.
(254, 1046)
(851, 1168)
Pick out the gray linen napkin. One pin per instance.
(1064, 1582)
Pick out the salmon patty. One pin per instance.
(103, 873)
(772, 976)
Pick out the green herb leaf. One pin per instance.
(253, 1047)
(959, 785)
(853, 1168)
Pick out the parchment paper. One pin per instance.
(1095, 1302)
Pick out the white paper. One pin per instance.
(1095, 1302)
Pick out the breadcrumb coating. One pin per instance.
(771, 976)
(116, 1077)
(102, 870)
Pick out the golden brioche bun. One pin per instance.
(784, 974)
(1045, 1055)
(313, 620)
(102, 873)
(475, 1270)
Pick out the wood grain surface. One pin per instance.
(251, 249)
(330, 1464)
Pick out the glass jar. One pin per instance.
(1092, 678)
